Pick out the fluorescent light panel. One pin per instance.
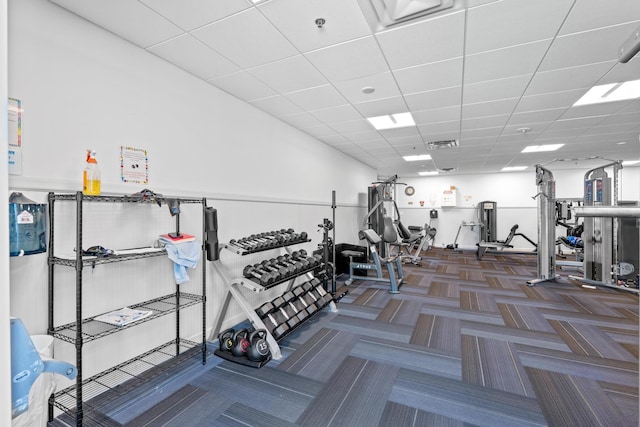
(417, 158)
(610, 93)
(514, 168)
(426, 173)
(630, 162)
(540, 148)
(392, 121)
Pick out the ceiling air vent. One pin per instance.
(385, 13)
(447, 169)
(447, 143)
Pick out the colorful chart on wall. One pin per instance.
(134, 165)
(15, 136)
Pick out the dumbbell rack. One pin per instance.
(234, 291)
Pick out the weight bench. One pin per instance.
(502, 244)
(373, 239)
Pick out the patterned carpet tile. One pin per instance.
(523, 317)
(548, 340)
(355, 395)
(576, 401)
(590, 340)
(267, 389)
(437, 332)
(399, 415)
(400, 311)
(408, 356)
(238, 415)
(565, 363)
(458, 313)
(465, 402)
(321, 355)
(493, 364)
(477, 301)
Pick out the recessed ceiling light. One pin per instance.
(610, 92)
(392, 121)
(621, 142)
(417, 158)
(514, 168)
(523, 130)
(540, 148)
(425, 173)
(630, 162)
(368, 89)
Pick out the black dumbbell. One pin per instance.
(276, 328)
(241, 245)
(264, 279)
(285, 271)
(265, 309)
(311, 299)
(290, 314)
(282, 260)
(277, 275)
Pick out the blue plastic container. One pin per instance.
(27, 226)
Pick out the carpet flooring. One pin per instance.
(464, 343)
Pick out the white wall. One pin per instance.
(512, 191)
(82, 87)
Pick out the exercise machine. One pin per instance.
(487, 219)
(393, 264)
(546, 226)
(602, 213)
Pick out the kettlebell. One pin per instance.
(240, 343)
(225, 339)
(258, 349)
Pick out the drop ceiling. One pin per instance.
(495, 75)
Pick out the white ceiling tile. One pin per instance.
(130, 20)
(622, 119)
(411, 131)
(434, 99)
(532, 117)
(381, 107)
(194, 56)
(276, 105)
(584, 76)
(340, 113)
(491, 90)
(552, 100)
(384, 85)
(244, 86)
(369, 135)
(361, 125)
(442, 127)
(349, 60)
(322, 131)
(190, 14)
(569, 51)
(436, 75)
(448, 114)
(296, 20)
(506, 62)
(482, 133)
(590, 14)
(593, 110)
(623, 72)
(442, 136)
(301, 120)
(528, 21)
(316, 98)
(335, 140)
(579, 123)
(288, 75)
(247, 39)
(423, 42)
(491, 108)
(485, 122)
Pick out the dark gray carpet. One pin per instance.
(465, 343)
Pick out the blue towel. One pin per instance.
(184, 255)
